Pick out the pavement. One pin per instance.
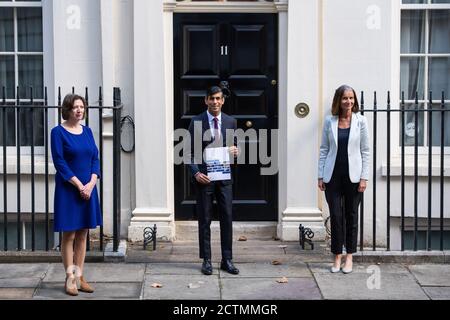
(269, 270)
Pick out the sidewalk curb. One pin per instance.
(110, 256)
(43, 257)
(408, 257)
(54, 256)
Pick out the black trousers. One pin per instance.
(343, 201)
(224, 198)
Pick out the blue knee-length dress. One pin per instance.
(74, 155)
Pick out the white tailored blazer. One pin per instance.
(358, 148)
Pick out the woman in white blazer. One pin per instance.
(344, 171)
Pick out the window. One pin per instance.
(21, 66)
(422, 238)
(425, 65)
(26, 244)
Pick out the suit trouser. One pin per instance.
(224, 198)
(343, 201)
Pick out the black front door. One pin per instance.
(240, 49)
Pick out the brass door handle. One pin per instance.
(249, 124)
(301, 110)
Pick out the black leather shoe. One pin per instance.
(229, 267)
(207, 267)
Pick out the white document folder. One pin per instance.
(218, 163)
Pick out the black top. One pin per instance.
(342, 152)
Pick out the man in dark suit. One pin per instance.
(218, 123)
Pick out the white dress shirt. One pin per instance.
(211, 123)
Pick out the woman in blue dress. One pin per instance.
(76, 205)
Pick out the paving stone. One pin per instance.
(432, 274)
(177, 265)
(101, 272)
(284, 258)
(20, 283)
(269, 289)
(267, 270)
(178, 268)
(23, 270)
(111, 290)
(16, 293)
(360, 268)
(176, 287)
(357, 286)
(438, 293)
(181, 258)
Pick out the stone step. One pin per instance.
(188, 230)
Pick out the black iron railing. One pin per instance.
(402, 112)
(18, 108)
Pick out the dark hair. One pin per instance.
(223, 87)
(213, 90)
(336, 106)
(67, 105)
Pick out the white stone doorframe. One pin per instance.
(298, 198)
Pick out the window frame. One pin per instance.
(427, 8)
(14, 4)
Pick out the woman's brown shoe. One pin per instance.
(83, 286)
(70, 286)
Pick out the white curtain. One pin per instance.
(30, 71)
(412, 70)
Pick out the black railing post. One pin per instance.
(374, 183)
(442, 172)
(18, 143)
(361, 229)
(100, 142)
(402, 183)
(5, 175)
(86, 114)
(86, 97)
(33, 211)
(388, 181)
(416, 167)
(59, 104)
(46, 148)
(116, 167)
(59, 122)
(430, 154)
